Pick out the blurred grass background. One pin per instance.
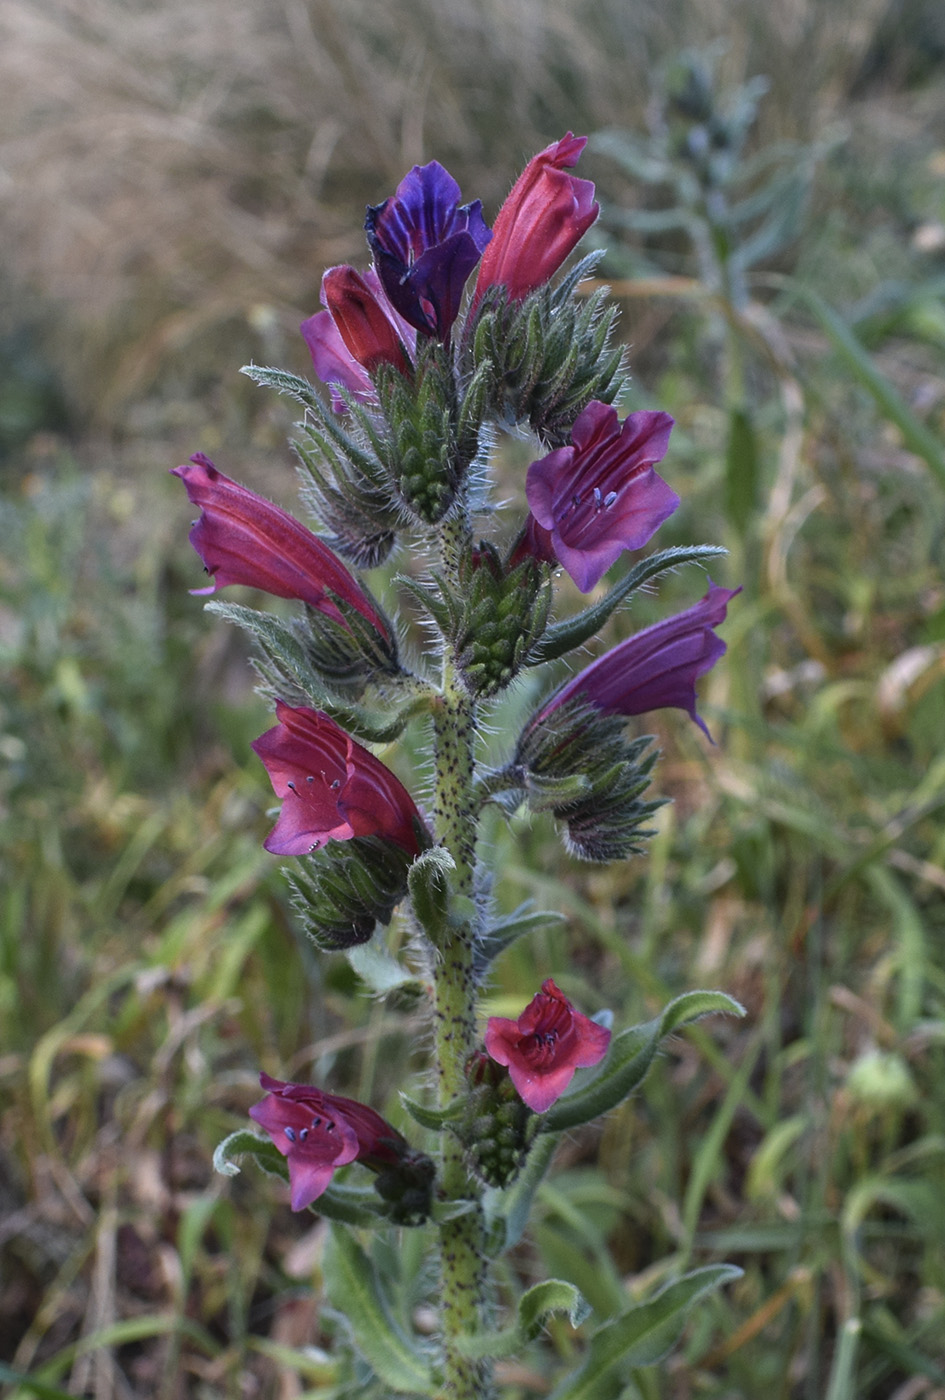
(173, 180)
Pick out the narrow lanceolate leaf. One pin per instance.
(503, 932)
(562, 637)
(285, 383)
(433, 1118)
(645, 1333)
(355, 1292)
(629, 1058)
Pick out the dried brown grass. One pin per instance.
(169, 168)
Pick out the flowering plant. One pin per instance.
(421, 372)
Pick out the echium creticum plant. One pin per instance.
(455, 334)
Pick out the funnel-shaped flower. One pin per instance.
(243, 538)
(545, 215)
(656, 669)
(332, 788)
(600, 496)
(319, 1132)
(543, 1048)
(425, 245)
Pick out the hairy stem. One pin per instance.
(461, 1240)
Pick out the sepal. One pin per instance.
(496, 618)
(420, 450)
(288, 669)
(578, 764)
(550, 353)
(341, 894)
(346, 488)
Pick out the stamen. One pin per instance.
(290, 1133)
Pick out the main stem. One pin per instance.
(462, 1265)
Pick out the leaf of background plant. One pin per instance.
(741, 470)
(354, 1290)
(645, 1333)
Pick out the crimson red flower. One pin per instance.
(319, 1132)
(657, 668)
(545, 215)
(332, 788)
(599, 496)
(243, 538)
(543, 1048)
(333, 340)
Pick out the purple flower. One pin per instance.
(319, 1132)
(332, 788)
(656, 669)
(425, 245)
(545, 215)
(243, 538)
(543, 1048)
(600, 496)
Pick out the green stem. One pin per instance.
(461, 1241)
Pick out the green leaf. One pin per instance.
(353, 1287)
(917, 437)
(562, 637)
(32, 1385)
(431, 891)
(692, 1005)
(507, 1211)
(628, 1060)
(378, 968)
(505, 931)
(534, 1306)
(245, 1143)
(436, 1119)
(625, 1066)
(289, 384)
(645, 1333)
(553, 1295)
(741, 470)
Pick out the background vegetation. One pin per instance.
(173, 179)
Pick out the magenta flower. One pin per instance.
(545, 215)
(319, 1132)
(543, 1048)
(332, 788)
(600, 496)
(656, 669)
(425, 245)
(359, 331)
(243, 538)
